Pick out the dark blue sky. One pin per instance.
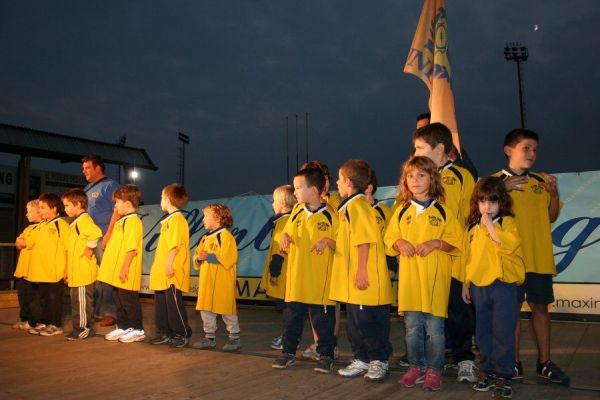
(227, 73)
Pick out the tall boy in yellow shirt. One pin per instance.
(82, 267)
(121, 266)
(170, 273)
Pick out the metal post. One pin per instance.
(184, 139)
(514, 51)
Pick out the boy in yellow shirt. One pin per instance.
(309, 240)
(275, 269)
(82, 267)
(361, 276)
(170, 273)
(29, 307)
(121, 266)
(216, 257)
(50, 253)
(536, 203)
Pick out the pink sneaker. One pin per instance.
(433, 380)
(412, 377)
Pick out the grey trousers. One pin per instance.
(82, 306)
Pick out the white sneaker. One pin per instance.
(467, 371)
(37, 329)
(355, 368)
(378, 370)
(51, 330)
(134, 335)
(116, 334)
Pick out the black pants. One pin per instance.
(170, 314)
(52, 296)
(323, 320)
(368, 330)
(129, 309)
(24, 295)
(34, 299)
(460, 324)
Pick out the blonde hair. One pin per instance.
(284, 194)
(426, 165)
(35, 203)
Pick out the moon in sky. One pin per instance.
(536, 27)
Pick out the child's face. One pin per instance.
(489, 208)
(71, 209)
(344, 185)
(303, 193)
(123, 207)
(277, 204)
(33, 214)
(424, 149)
(418, 183)
(211, 221)
(47, 213)
(522, 155)
(164, 202)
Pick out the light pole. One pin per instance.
(515, 51)
(184, 139)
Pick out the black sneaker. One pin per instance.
(80, 334)
(503, 389)
(484, 383)
(284, 360)
(324, 365)
(178, 341)
(518, 373)
(74, 335)
(160, 339)
(550, 372)
(403, 361)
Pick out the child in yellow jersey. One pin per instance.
(121, 266)
(536, 204)
(49, 252)
(309, 240)
(361, 276)
(333, 199)
(216, 257)
(82, 267)
(170, 273)
(425, 234)
(494, 268)
(29, 304)
(435, 141)
(275, 270)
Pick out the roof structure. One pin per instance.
(37, 143)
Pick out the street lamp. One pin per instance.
(184, 139)
(518, 53)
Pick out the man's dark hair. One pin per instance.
(95, 159)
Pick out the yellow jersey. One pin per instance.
(424, 282)
(127, 235)
(217, 280)
(382, 215)
(358, 226)
(487, 261)
(276, 260)
(174, 234)
(309, 274)
(83, 232)
(25, 256)
(533, 222)
(49, 251)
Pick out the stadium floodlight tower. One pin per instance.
(515, 51)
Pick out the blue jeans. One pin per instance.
(425, 341)
(104, 300)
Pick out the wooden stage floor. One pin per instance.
(33, 367)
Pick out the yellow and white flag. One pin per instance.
(428, 59)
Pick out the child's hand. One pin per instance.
(104, 242)
(486, 221)
(123, 275)
(20, 243)
(319, 247)
(169, 271)
(466, 296)
(202, 255)
(515, 183)
(404, 247)
(285, 242)
(273, 281)
(427, 247)
(550, 184)
(87, 252)
(361, 280)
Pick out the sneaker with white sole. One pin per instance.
(378, 370)
(355, 368)
(116, 334)
(23, 326)
(277, 343)
(232, 345)
(135, 335)
(37, 329)
(205, 344)
(51, 330)
(467, 371)
(283, 361)
(311, 352)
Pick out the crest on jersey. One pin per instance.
(449, 180)
(322, 226)
(434, 221)
(537, 189)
